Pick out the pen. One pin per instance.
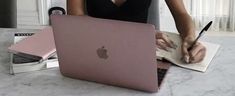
(200, 34)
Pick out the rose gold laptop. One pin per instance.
(107, 51)
(40, 46)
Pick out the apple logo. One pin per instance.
(102, 53)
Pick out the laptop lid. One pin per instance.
(106, 51)
(39, 46)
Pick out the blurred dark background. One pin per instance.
(8, 14)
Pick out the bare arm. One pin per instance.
(182, 19)
(186, 28)
(75, 7)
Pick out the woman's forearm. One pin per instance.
(185, 26)
(75, 7)
(183, 21)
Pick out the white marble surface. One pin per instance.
(217, 81)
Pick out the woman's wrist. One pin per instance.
(185, 26)
(188, 35)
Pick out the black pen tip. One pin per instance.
(208, 26)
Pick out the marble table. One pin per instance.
(219, 80)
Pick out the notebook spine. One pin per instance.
(24, 34)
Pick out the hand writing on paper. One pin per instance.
(196, 54)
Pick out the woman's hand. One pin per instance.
(163, 42)
(195, 55)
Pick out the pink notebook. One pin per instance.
(39, 46)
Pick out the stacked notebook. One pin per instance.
(33, 51)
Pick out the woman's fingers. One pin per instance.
(198, 57)
(198, 53)
(161, 44)
(195, 55)
(185, 53)
(162, 37)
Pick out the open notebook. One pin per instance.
(175, 55)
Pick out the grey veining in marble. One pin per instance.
(217, 81)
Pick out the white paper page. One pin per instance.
(52, 64)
